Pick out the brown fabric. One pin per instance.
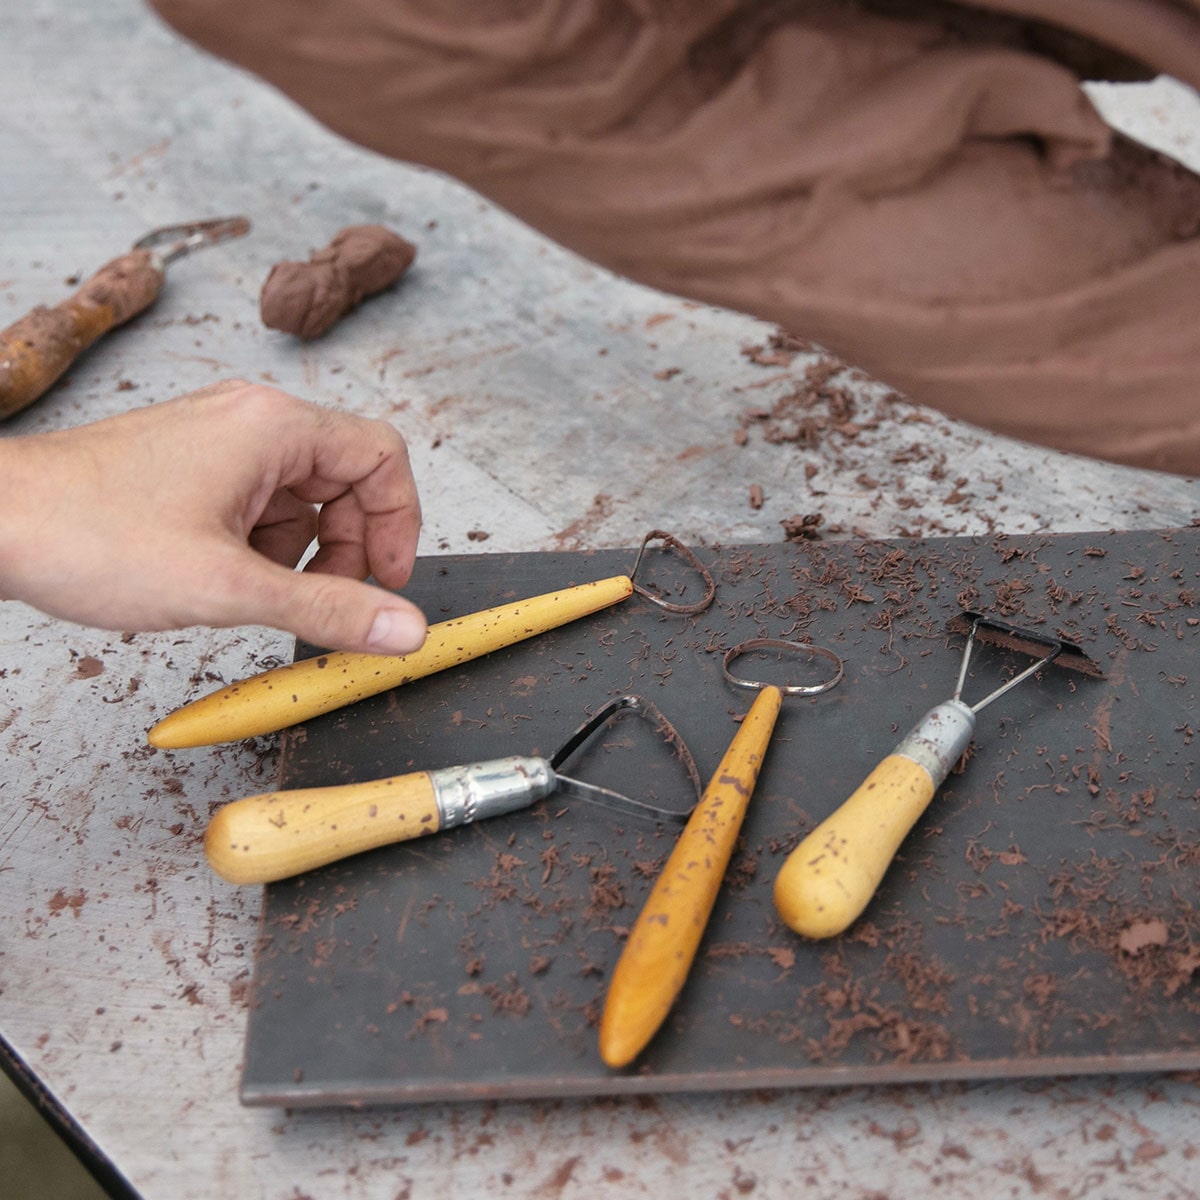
(1050, 30)
(934, 199)
(1162, 34)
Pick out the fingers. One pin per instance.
(285, 530)
(355, 468)
(358, 471)
(342, 534)
(381, 510)
(192, 511)
(327, 610)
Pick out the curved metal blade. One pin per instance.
(606, 798)
(595, 794)
(174, 241)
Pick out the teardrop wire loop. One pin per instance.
(688, 556)
(606, 797)
(792, 689)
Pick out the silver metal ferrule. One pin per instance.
(487, 789)
(938, 740)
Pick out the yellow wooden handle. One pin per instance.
(831, 876)
(268, 837)
(36, 350)
(294, 693)
(658, 955)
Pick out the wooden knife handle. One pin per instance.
(37, 349)
(831, 876)
(277, 834)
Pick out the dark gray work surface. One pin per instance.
(1040, 919)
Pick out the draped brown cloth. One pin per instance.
(921, 186)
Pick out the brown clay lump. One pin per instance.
(308, 299)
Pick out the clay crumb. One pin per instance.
(1135, 937)
(88, 668)
(803, 527)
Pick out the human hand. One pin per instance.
(194, 512)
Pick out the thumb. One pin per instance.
(331, 611)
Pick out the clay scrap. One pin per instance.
(308, 299)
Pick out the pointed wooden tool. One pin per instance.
(294, 693)
(657, 957)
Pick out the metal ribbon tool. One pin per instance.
(279, 834)
(831, 876)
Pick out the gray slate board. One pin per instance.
(1040, 919)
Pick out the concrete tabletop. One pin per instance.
(547, 405)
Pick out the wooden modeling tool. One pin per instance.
(293, 693)
(658, 956)
(36, 350)
(273, 836)
(829, 879)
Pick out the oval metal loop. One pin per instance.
(688, 556)
(794, 689)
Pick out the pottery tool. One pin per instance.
(293, 693)
(655, 962)
(36, 350)
(829, 879)
(279, 834)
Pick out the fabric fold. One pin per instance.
(907, 183)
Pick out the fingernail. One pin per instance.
(396, 631)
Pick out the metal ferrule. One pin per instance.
(487, 789)
(939, 738)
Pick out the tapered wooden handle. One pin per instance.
(830, 877)
(657, 957)
(298, 691)
(36, 350)
(272, 836)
